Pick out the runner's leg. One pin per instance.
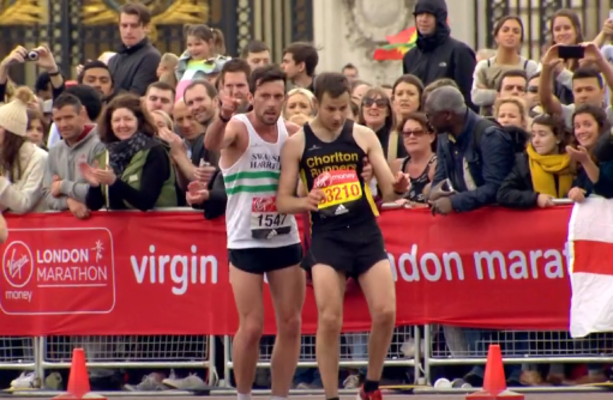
(380, 292)
(329, 287)
(247, 288)
(287, 287)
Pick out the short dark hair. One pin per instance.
(333, 83)
(89, 98)
(67, 99)
(588, 72)
(304, 53)
(138, 9)
(254, 46)
(163, 86)
(411, 80)
(512, 73)
(211, 91)
(235, 65)
(267, 73)
(349, 66)
(91, 65)
(43, 82)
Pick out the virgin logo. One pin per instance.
(323, 180)
(262, 204)
(17, 264)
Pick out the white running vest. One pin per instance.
(251, 184)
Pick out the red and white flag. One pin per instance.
(590, 237)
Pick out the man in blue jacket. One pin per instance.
(475, 164)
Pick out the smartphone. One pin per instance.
(610, 14)
(203, 163)
(571, 52)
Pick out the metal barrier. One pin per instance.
(449, 345)
(159, 351)
(405, 351)
(18, 353)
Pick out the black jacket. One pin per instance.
(200, 152)
(517, 190)
(215, 206)
(438, 55)
(134, 68)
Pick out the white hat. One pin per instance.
(14, 115)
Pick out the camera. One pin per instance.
(33, 56)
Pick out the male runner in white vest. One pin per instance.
(260, 240)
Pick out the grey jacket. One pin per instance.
(63, 162)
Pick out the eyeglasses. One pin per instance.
(369, 101)
(533, 89)
(417, 133)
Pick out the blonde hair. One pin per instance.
(169, 123)
(521, 105)
(170, 60)
(170, 78)
(24, 94)
(306, 93)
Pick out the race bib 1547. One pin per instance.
(266, 222)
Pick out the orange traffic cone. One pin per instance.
(494, 382)
(78, 380)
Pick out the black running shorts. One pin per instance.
(261, 260)
(353, 250)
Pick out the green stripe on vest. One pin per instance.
(132, 176)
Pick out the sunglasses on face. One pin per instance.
(369, 101)
(533, 89)
(417, 133)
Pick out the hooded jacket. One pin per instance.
(438, 55)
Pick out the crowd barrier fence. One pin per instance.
(126, 335)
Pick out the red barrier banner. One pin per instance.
(166, 273)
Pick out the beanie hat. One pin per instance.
(14, 115)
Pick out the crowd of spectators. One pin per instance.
(478, 129)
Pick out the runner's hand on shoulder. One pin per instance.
(313, 199)
(367, 171)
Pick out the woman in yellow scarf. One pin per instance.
(544, 172)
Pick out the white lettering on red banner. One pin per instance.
(166, 273)
(488, 265)
(36, 274)
(182, 270)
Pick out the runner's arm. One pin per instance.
(220, 135)
(287, 202)
(381, 169)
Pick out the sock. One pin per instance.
(333, 398)
(244, 396)
(371, 386)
